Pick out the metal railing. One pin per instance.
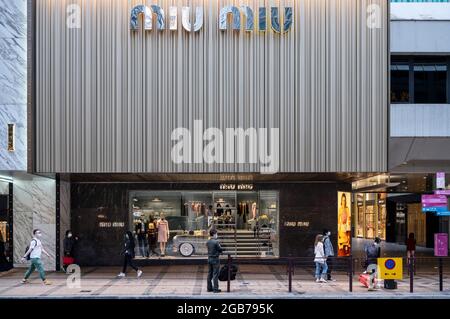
(350, 266)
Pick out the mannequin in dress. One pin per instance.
(163, 234)
(254, 210)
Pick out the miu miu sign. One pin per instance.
(247, 13)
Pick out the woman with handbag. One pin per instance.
(68, 244)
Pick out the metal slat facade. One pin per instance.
(108, 99)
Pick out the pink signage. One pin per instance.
(440, 180)
(441, 245)
(434, 201)
(443, 192)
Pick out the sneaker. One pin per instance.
(317, 280)
(121, 275)
(323, 280)
(139, 273)
(47, 282)
(24, 281)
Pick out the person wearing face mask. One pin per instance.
(329, 252)
(373, 252)
(68, 244)
(214, 251)
(34, 251)
(128, 253)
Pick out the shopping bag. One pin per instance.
(68, 260)
(365, 280)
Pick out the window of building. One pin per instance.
(399, 82)
(430, 83)
(420, 80)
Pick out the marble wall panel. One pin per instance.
(34, 207)
(13, 82)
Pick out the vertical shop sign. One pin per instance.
(441, 245)
(344, 224)
(440, 180)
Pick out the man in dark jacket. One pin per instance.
(214, 251)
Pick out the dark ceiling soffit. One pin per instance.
(215, 177)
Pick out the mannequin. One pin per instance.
(163, 234)
(151, 235)
(141, 231)
(254, 211)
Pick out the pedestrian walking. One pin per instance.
(214, 251)
(128, 253)
(320, 259)
(33, 253)
(69, 245)
(329, 252)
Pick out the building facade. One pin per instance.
(265, 119)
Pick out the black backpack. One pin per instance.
(223, 273)
(28, 247)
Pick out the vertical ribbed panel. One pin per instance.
(108, 98)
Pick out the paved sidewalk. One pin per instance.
(253, 281)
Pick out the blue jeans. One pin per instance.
(321, 270)
(36, 263)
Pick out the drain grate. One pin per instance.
(86, 291)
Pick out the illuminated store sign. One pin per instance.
(233, 11)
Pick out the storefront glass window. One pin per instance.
(177, 224)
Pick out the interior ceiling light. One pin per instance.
(156, 199)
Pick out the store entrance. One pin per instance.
(176, 223)
(5, 240)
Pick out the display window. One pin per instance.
(344, 223)
(371, 215)
(176, 224)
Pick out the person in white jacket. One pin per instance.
(320, 259)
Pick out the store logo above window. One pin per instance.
(233, 11)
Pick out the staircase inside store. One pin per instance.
(245, 243)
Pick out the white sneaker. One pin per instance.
(121, 275)
(323, 280)
(139, 273)
(317, 280)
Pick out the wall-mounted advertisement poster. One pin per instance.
(344, 223)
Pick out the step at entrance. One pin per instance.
(245, 242)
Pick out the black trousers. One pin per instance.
(213, 276)
(127, 260)
(330, 267)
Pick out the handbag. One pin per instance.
(68, 260)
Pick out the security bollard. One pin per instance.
(411, 275)
(441, 281)
(229, 273)
(290, 274)
(350, 274)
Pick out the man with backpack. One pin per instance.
(373, 252)
(33, 253)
